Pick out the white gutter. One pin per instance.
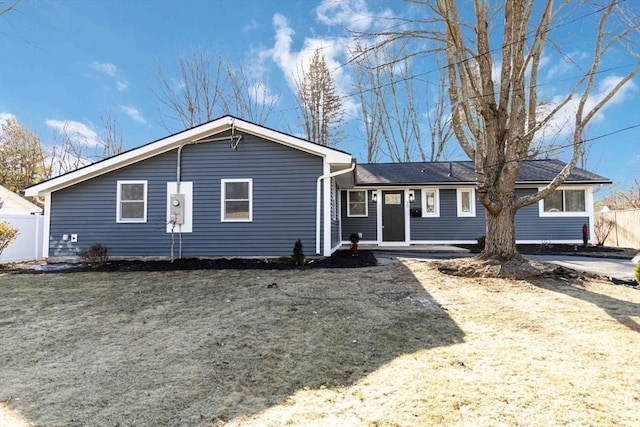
(320, 179)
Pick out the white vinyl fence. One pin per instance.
(624, 231)
(28, 244)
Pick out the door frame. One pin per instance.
(407, 218)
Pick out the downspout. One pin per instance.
(318, 200)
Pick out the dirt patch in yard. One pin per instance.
(397, 344)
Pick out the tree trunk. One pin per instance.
(500, 241)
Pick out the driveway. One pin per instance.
(618, 268)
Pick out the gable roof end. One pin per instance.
(174, 141)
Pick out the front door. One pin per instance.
(393, 216)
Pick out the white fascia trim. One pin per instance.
(171, 142)
(146, 151)
(46, 231)
(331, 155)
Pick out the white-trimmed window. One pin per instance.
(131, 201)
(237, 200)
(466, 201)
(564, 202)
(357, 203)
(430, 202)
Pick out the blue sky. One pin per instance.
(70, 63)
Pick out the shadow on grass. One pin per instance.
(196, 347)
(620, 310)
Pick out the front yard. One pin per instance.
(397, 344)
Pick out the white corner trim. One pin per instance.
(46, 232)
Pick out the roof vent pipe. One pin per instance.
(450, 169)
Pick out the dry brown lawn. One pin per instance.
(394, 345)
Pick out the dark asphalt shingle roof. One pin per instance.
(531, 171)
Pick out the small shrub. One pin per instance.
(638, 272)
(96, 255)
(298, 255)
(7, 235)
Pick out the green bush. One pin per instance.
(298, 255)
(7, 235)
(96, 255)
(638, 272)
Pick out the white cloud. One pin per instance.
(262, 95)
(292, 63)
(122, 85)
(251, 25)
(352, 14)
(105, 67)
(4, 116)
(133, 113)
(77, 132)
(562, 124)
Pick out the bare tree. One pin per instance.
(619, 198)
(21, 155)
(204, 89)
(11, 5)
(401, 117)
(111, 142)
(496, 116)
(71, 150)
(320, 105)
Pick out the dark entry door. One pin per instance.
(393, 216)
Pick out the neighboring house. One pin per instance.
(27, 218)
(233, 188)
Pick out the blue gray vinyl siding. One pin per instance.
(365, 225)
(531, 226)
(448, 226)
(284, 199)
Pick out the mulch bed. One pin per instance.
(340, 259)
